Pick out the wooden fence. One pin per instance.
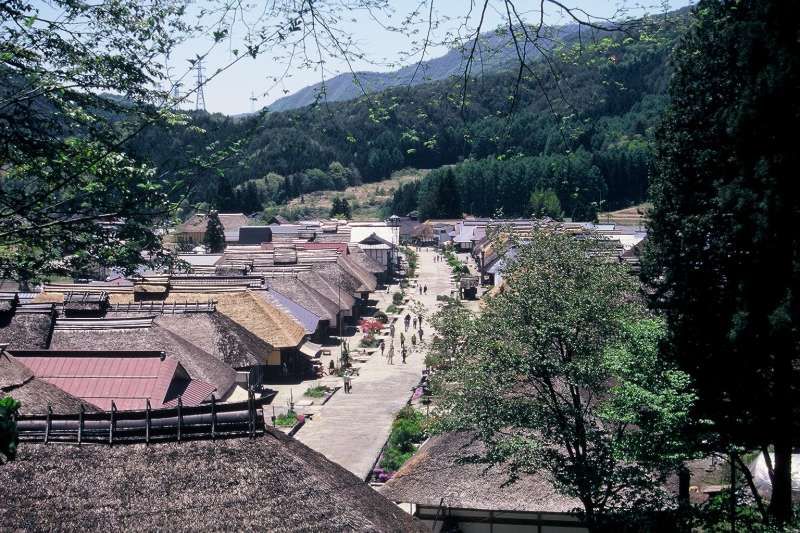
(207, 421)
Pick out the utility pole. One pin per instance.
(200, 102)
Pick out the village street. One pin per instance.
(351, 428)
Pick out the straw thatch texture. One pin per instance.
(366, 262)
(436, 472)
(330, 287)
(256, 315)
(35, 395)
(272, 483)
(303, 294)
(218, 335)
(27, 331)
(200, 364)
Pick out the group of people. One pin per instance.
(423, 289)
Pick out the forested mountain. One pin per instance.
(496, 53)
(579, 124)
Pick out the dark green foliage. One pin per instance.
(407, 431)
(545, 203)
(340, 208)
(397, 298)
(723, 251)
(8, 429)
(610, 112)
(214, 238)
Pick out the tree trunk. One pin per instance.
(780, 506)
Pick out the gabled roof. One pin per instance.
(198, 222)
(374, 238)
(366, 262)
(199, 364)
(306, 318)
(270, 483)
(128, 378)
(29, 327)
(436, 476)
(35, 395)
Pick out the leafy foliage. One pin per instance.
(561, 376)
(340, 208)
(723, 245)
(407, 431)
(72, 196)
(8, 429)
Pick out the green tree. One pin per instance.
(8, 429)
(340, 208)
(214, 238)
(723, 248)
(560, 377)
(71, 195)
(545, 203)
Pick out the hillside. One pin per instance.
(498, 53)
(367, 201)
(594, 120)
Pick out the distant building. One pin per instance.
(194, 229)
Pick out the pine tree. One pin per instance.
(215, 234)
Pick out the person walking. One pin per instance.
(402, 340)
(420, 321)
(382, 348)
(347, 386)
(425, 290)
(420, 333)
(390, 355)
(408, 321)
(414, 322)
(403, 355)
(391, 329)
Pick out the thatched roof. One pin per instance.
(34, 394)
(271, 483)
(293, 287)
(251, 312)
(328, 287)
(200, 364)
(218, 335)
(436, 472)
(27, 331)
(366, 262)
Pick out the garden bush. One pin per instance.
(397, 298)
(380, 315)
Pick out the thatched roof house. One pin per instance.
(114, 334)
(34, 394)
(271, 483)
(127, 379)
(438, 483)
(293, 287)
(27, 326)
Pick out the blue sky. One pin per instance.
(230, 92)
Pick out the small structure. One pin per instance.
(378, 249)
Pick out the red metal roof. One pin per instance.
(127, 378)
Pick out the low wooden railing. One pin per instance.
(207, 421)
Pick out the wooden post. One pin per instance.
(251, 412)
(213, 416)
(180, 417)
(147, 422)
(47, 423)
(80, 424)
(111, 425)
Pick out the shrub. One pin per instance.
(381, 316)
(397, 298)
(393, 309)
(287, 420)
(317, 392)
(407, 431)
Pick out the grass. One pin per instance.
(366, 200)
